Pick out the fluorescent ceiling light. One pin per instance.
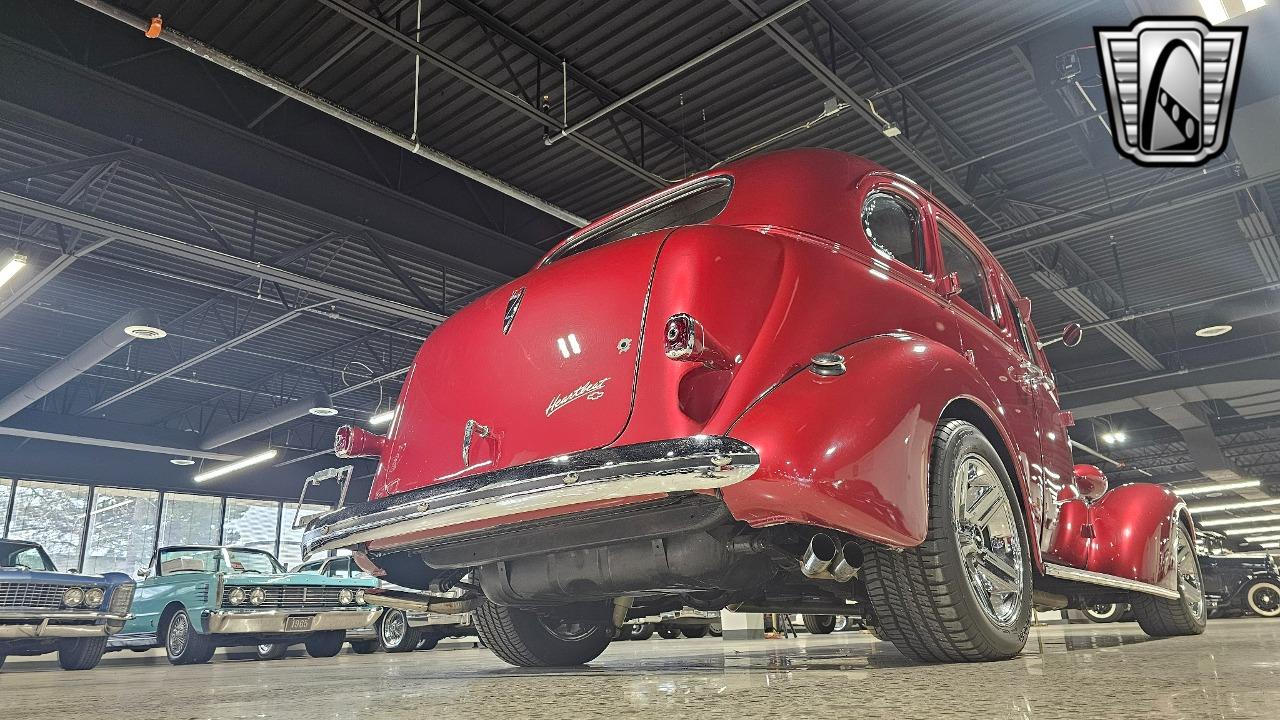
(10, 264)
(1242, 505)
(234, 466)
(1214, 11)
(1271, 545)
(1218, 522)
(1262, 538)
(382, 418)
(1216, 487)
(1246, 531)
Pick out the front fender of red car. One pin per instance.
(1133, 533)
(851, 452)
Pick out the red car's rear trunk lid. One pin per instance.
(559, 380)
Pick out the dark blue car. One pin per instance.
(43, 610)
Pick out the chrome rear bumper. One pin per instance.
(697, 463)
(56, 624)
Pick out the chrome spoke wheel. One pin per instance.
(394, 628)
(986, 532)
(177, 640)
(1189, 582)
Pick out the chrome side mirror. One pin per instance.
(1071, 336)
(142, 573)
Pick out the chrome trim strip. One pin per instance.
(1096, 578)
(41, 624)
(682, 465)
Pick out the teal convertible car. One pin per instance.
(195, 599)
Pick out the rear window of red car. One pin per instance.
(698, 203)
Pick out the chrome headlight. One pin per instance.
(257, 596)
(359, 597)
(236, 596)
(93, 597)
(346, 596)
(73, 597)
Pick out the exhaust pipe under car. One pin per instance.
(825, 560)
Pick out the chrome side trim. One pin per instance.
(1096, 578)
(682, 465)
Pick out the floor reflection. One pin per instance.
(1081, 671)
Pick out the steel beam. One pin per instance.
(45, 274)
(64, 166)
(493, 22)
(199, 358)
(358, 16)
(860, 106)
(212, 258)
(136, 440)
(405, 278)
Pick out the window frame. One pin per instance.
(629, 214)
(954, 228)
(904, 194)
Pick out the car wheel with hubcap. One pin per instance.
(819, 624)
(964, 594)
(642, 631)
(325, 644)
(1104, 612)
(396, 634)
(1263, 598)
(183, 645)
(272, 651)
(715, 629)
(667, 632)
(550, 638)
(1185, 614)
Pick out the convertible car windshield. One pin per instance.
(229, 560)
(23, 555)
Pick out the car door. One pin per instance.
(982, 318)
(1055, 445)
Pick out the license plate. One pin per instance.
(298, 622)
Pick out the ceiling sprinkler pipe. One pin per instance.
(97, 349)
(206, 52)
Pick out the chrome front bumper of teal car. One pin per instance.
(285, 620)
(34, 623)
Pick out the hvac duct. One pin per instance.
(139, 323)
(319, 404)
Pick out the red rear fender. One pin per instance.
(851, 452)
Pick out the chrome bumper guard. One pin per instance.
(697, 463)
(38, 624)
(254, 622)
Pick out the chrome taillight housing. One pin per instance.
(686, 339)
(350, 441)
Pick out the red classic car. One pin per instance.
(778, 386)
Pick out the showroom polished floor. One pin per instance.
(1096, 672)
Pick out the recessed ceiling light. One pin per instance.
(1213, 331)
(145, 332)
(182, 461)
